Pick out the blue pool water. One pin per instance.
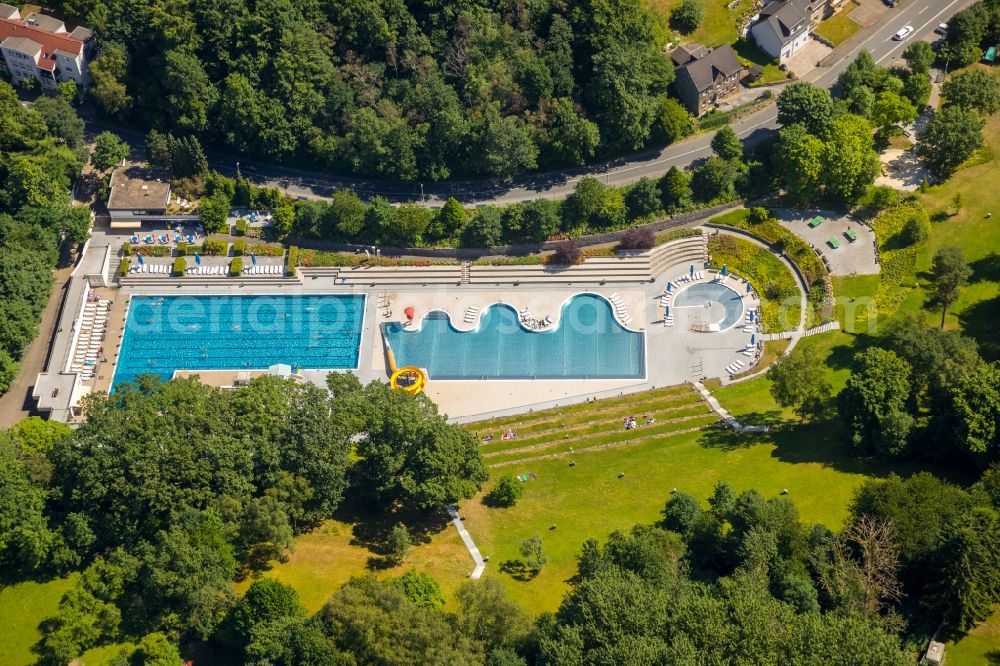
(588, 343)
(713, 292)
(168, 333)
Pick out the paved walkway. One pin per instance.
(16, 403)
(456, 520)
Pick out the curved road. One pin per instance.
(923, 15)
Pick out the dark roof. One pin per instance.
(139, 188)
(720, 61)
(685, 53)
(784, 17)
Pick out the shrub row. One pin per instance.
(180, 265)
(292, 260)
(239, 247)
(215, 246)
(236, 267)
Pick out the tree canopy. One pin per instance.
(387, 90)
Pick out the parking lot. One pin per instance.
(852, 257)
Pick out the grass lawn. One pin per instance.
(978, 308)
(838, 27)
(980, 647)
(22, 607)
(749, 54)
(719, 26)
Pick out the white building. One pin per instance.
(783, 28)
(39, 47)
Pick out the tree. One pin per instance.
(975, 405)
(61, 120)
(970, 553)
(975, 89)
(687, 16)
(107, 72)
(916, 230)
(410, 455)
(949, 273)
(675, 190)
(567, 253)
(919, 56)
(727, 145)
(506, 492)
(873, 403)
(420, 588)
(951, 137)
(892, 109)
(504, 147)
(485, 229)
(213, 212)
(642, 199)
(489, 616)
(570, 138)
(407, 633)
(799, 381)
(681, 513)
(638, 238)
(806, 104)
(673, 122)
(109, 151)
(850, 162)
(265, 601)
(714, 180)
(398, 544)
(917, 88)
(452, 218)
(345, 217)
(531, 551)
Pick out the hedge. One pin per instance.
(126, 249)
(292, 260)
(123, 266)
(152, 250)
(182, 249)
(239, 247)
(236, 267)
(321, 259)
(674, 234)
(264, 250)
(180, 265)
(214, 246)
(241, 227)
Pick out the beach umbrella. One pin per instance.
(253, 259)
(409, 311)
(197, 258)
(139, 257)
(666, 311)
(670, 287)
(749, 288)
(753, 339)
(725, 269)
(751, 315)
(692, 269)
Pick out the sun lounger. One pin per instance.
(748, 352)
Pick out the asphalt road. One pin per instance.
(923, 15)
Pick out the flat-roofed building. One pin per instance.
(137, 194)
(39, 48)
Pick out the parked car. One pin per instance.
(942, 29)
(903, 33)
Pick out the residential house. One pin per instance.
(705, 77)
(783, 27)
(137, 194)
(39, 47)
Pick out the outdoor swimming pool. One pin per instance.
(587, 343)
(703, 294)
(168, 333)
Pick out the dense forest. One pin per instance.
(41, 154)
(404, 91)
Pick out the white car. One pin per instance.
(905, 32)
(941, 29)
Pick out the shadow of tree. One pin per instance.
(986, 269)
(518, 570)
(979, 322)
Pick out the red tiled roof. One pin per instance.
(50, 42)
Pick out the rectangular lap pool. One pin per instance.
(168, 333)
(587, 343)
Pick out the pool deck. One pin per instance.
(674, 354)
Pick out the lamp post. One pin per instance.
(422, 200)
